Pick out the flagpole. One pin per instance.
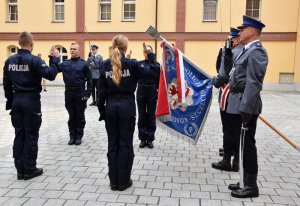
(155, 34)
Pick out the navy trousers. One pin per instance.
(146, 101)
(250, 151)
(231, 125)
(120, 124)
(26, 118)
(75, 107)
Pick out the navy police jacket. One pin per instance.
(76, 73)
(150, 69)
(23, 73)
(130, 74)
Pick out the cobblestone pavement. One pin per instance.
(173, 173)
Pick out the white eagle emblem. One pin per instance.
(173, 95)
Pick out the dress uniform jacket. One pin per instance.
(246, 80)
(94, 64)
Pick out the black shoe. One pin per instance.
(124, 187)
(235, 167)
(221, 154)
(150, 144)
(143, 144)
(71, 141)
(77, 141)
(35, 173)
(245, 192)
(113, 187)
(234, 186)
(224, 164)
(20, 176)
(92, 104)
(221, 149)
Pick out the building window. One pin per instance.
(12, 50)
(105, 10)
(253, 8)
(12, 10)
(59, 10)
(210, 10)
(63, 53)
(128, 10)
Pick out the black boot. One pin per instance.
(150, 144)
(237, 185)
(250, 189)
(235, 164)
(71, 141)
(78, 141)
(35, 173)
(124, 187)
(221, 152)
(143, 144)
(224, 164)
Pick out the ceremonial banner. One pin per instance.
(185, 94)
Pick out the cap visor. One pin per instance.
(240, 27)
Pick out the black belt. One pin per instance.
(121, 96)
(73, 89)
(27, 94)
(237, 89)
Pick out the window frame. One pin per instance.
(206, 13)
(252, 9)
(105, 3)
(128, 2)
(55, 12)
(10, 5)
(10, 48)
(62, 55)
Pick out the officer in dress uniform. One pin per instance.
(117, 84)
(94, 62)
(78, 86)
(224, 64)
(147, 98)
(246, 81)
(23, 73)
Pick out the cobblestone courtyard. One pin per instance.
(173, 173)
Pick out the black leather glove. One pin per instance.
(90, 54)
(218, 81)
(8, 105)
(218, 62)
(246, 117)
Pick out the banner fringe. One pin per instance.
(172, 132)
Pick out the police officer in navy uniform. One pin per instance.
(117, 84)
(94, 62)
(246, 82)
(146, 99)
(224, 64)
(78, 86)
(23, 73)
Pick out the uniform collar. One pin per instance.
(24, 51)
(247, 46)
(75, 59)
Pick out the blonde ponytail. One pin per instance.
(116, 66)
(119, 45)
